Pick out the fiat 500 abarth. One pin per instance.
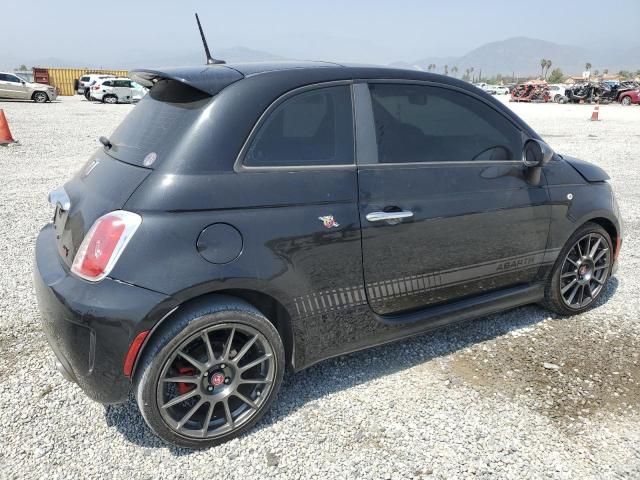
(249, 219)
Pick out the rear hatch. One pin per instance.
(147, 136)
(103, 185)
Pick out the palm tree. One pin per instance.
(446, 69)
(543, 64)
(587, 66)
(454, 70)
(471, 72)
(549, 63)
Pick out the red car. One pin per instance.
(630, 97)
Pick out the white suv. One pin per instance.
(117, 90)
(88, 80)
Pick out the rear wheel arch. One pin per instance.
(269, 306)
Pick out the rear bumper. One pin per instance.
(90, 326)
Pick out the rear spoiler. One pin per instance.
(209, 79)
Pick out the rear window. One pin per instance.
(84, 79)
(157, 123)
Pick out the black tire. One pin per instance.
(112, 99)
(150, 383)
(553, 295)
(40, 97)
(626, 101)
(87, 94)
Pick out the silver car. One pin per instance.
(15, 87)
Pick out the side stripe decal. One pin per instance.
(348, 297)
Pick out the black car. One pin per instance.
(248, 219)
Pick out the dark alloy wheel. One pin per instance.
(584, 271)
(211, 375)
(581, 271)
(216, 380)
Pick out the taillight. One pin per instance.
(96, 87)
(104, 243)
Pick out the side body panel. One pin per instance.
(475, 228)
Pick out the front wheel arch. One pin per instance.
(33, 96)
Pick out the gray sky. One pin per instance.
(348, 30)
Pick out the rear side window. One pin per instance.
(416, 123)
(309, 129)
(122, 83)
(107, 83)
(84, 79)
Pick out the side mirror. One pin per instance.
(536, 153)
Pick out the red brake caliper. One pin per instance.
(186, 372)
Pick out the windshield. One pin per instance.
(157, 124)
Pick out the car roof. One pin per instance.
(211, 79)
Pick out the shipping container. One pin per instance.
(64, 79)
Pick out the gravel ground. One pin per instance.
(515, 395)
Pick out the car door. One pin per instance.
(446, 205)
(122, 88)
(11, 86)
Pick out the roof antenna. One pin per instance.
(210, 59)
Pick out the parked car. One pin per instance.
(500, 90)
(630, 97)
(557, 93)
(88, 80)
(248, 219)
(117, 90)
(15, 87)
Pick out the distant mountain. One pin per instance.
(521, 55)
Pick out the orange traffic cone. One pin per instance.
(596, 112)
(5, 133)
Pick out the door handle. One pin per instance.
(393, 217)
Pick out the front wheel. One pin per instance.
(210, 374)
(626, 101)
(40, 97)
(581, 271)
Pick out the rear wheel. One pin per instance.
(211, 374)
(626, 101)
(110, 99)
(581, 271)
(40, 97)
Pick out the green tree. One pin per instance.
(22, 68)
(446, 69)
(605, 71)
(454, 70)
(556, 76)
(587, 66)
(548, 66)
